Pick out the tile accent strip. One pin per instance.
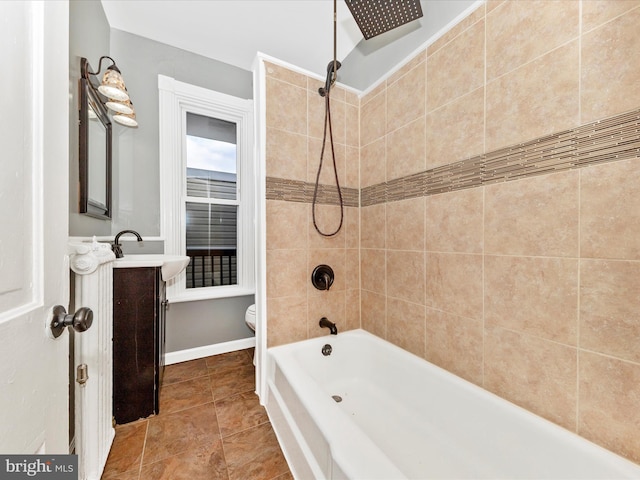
(298, 191)
(608, 140)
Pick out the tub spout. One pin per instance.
(330, 325)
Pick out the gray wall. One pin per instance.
(206, 322)
(371, 59)
(89, 37)
(136, 201)
(137, 176)
(136, 193)
(136, 173)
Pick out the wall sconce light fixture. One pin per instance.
(127, 119)
(113, 88)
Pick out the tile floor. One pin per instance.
(211, 426)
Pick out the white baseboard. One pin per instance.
(208, 350)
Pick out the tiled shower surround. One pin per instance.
(522, 281)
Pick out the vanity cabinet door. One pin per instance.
(138, 342)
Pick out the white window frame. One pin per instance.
(175, 100)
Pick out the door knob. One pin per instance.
(80, 321)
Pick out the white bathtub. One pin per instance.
(402, 417)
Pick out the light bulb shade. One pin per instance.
(113, 86)
(128, 120)
(120, 106)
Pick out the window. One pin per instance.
(207, 185)
(212, 202)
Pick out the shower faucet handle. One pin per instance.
(322, 277)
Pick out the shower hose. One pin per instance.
(327, 128)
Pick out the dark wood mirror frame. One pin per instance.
(92, 162)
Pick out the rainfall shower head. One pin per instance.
(378, 16)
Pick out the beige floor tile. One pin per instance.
(232, 380)
(174, 433)
(126, 451)
(240, 412)
(186, 443)
(187, 394)
(200, 463)
(254, 454)
(128, 475)
(180, 372)
(231, 359)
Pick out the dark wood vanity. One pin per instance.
(139, 307)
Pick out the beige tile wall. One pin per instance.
(295, 115)
(528, 288)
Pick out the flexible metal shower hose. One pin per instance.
(327, 122)
(331, 78)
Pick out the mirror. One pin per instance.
(95, 149)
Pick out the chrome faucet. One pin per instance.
(117, 248)
(330, 325)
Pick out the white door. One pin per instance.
(34, 185)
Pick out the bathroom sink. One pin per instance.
(171, 265)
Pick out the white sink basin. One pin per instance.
(171, 265)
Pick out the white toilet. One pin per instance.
(250, 317)
(250, 320)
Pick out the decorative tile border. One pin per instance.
(298, 191)
(608, 140)
(612, 139)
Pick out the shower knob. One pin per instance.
(80, 321)
(322, 277)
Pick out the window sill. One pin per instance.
(211, 294)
